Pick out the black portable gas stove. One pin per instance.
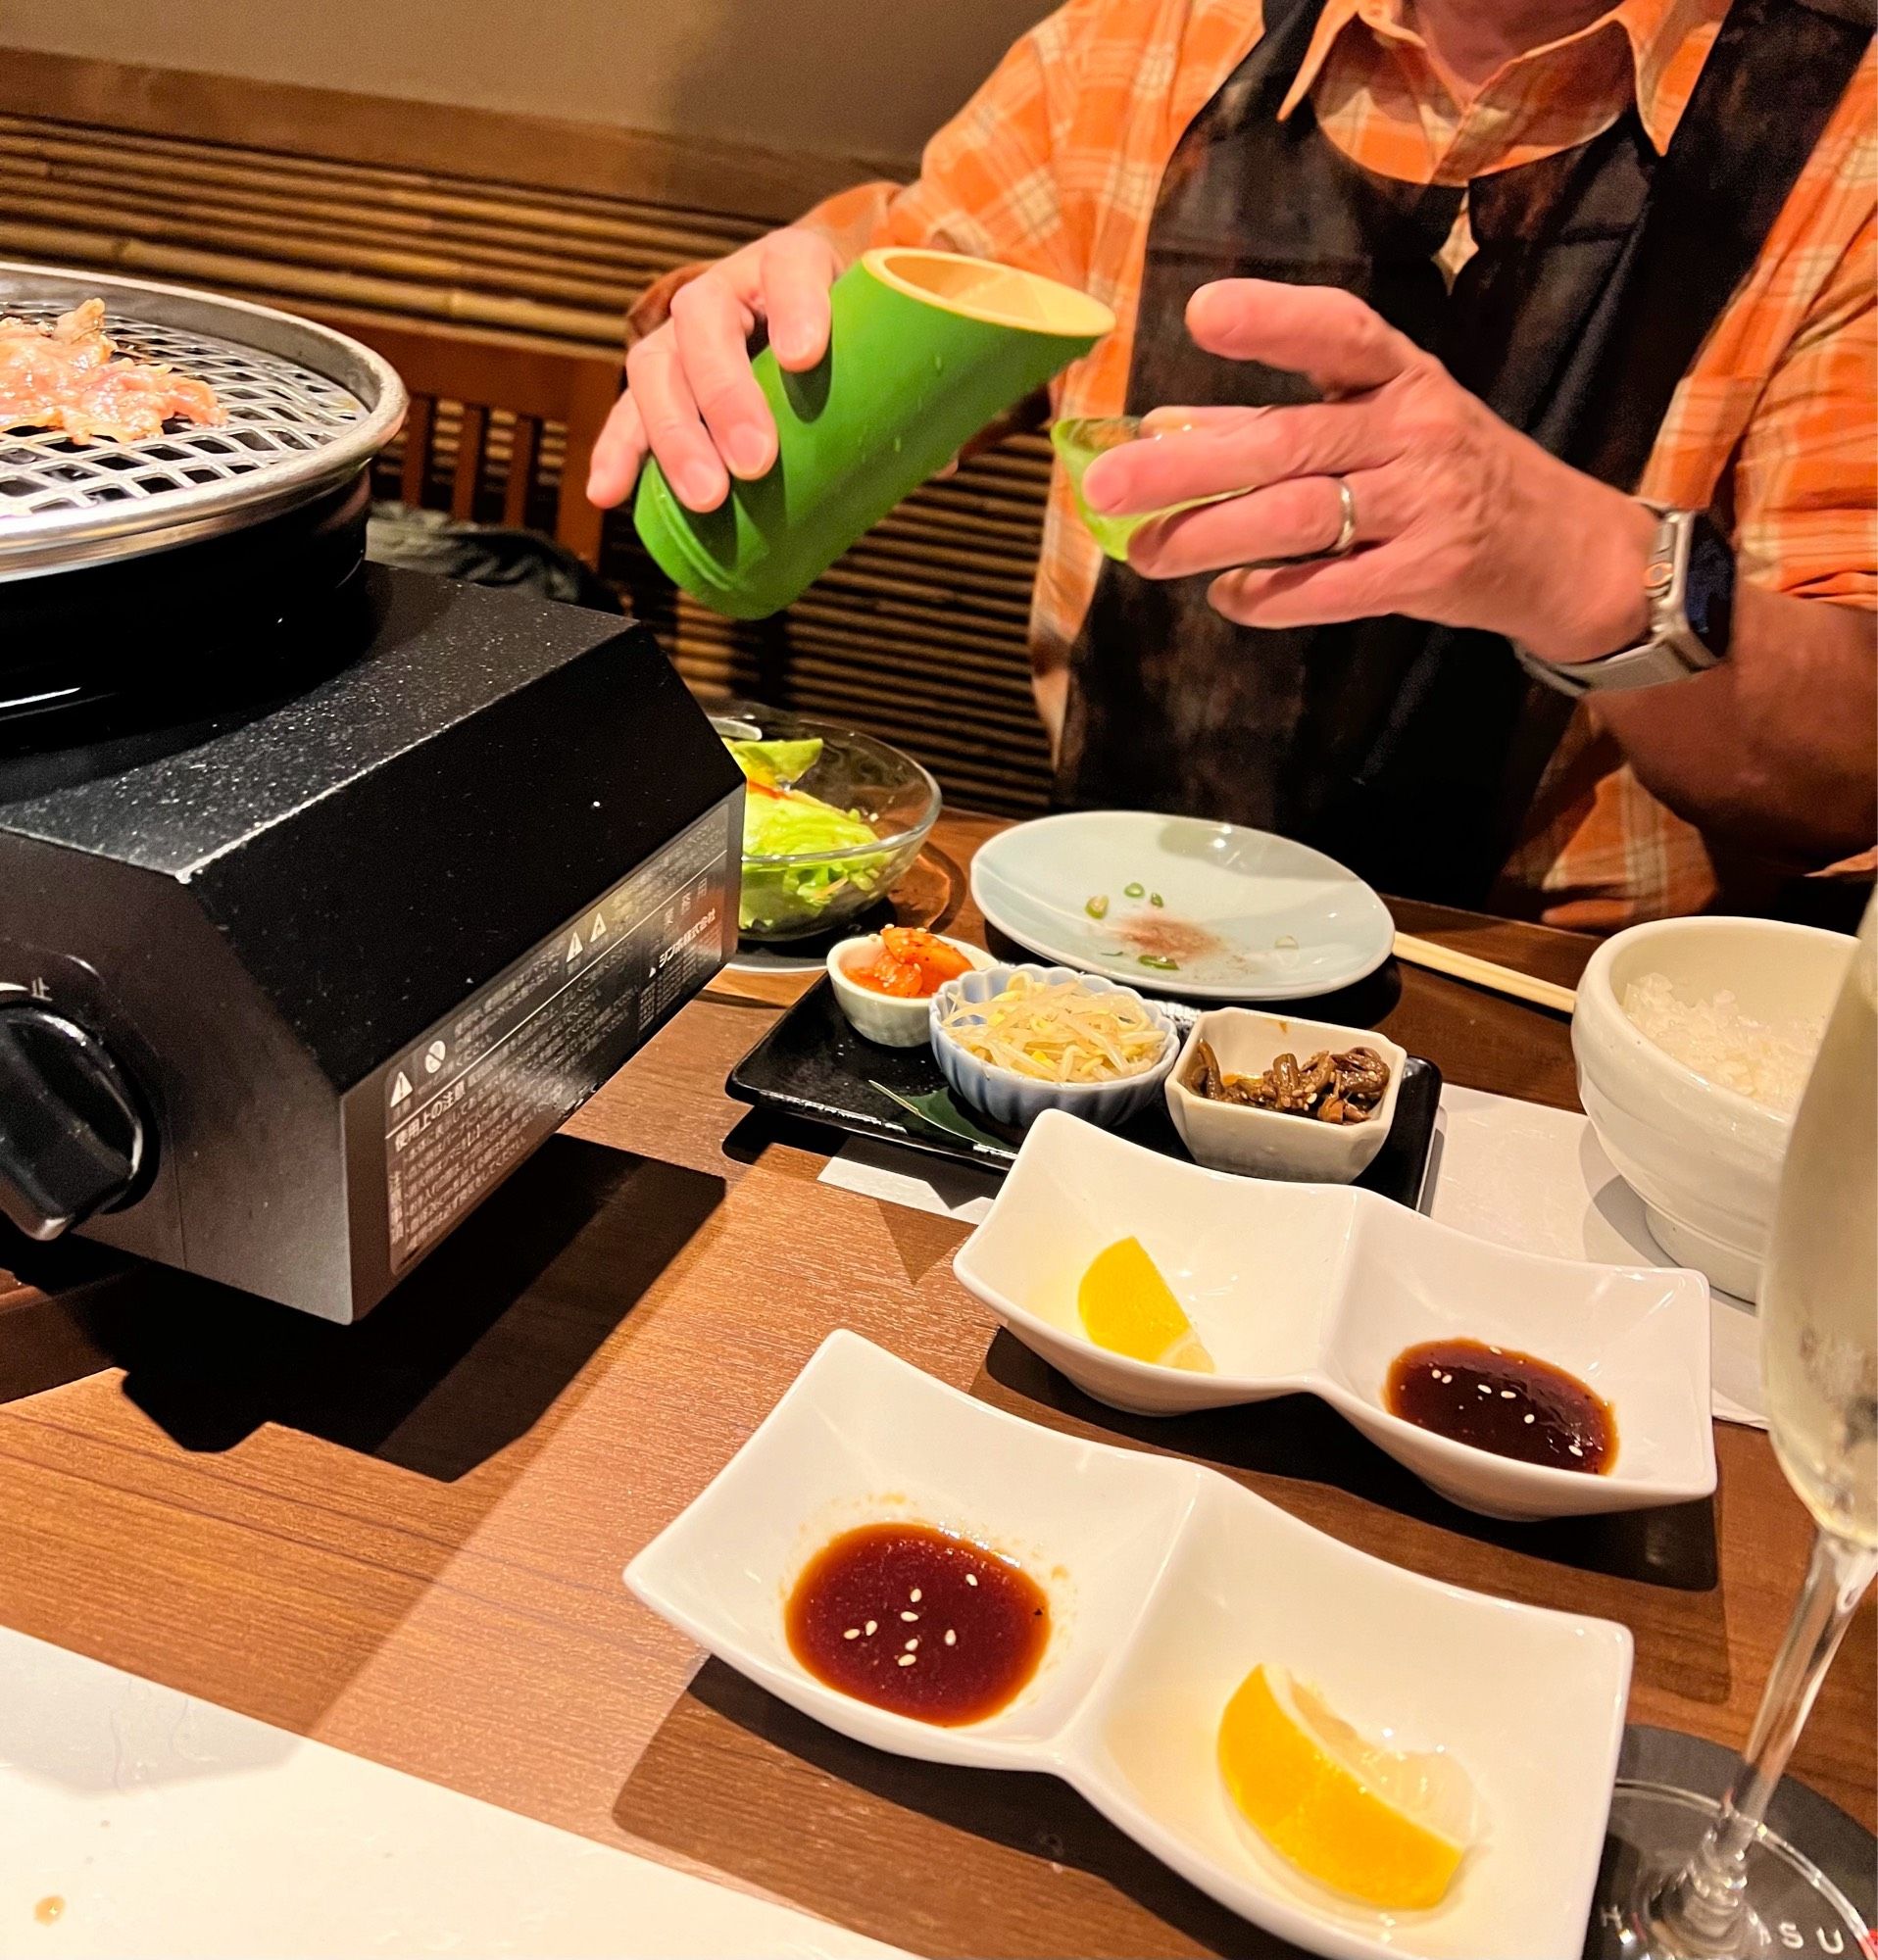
(327, 892)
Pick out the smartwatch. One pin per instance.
(1689, 588)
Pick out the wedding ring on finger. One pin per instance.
(1341, 546)
(1347, 529)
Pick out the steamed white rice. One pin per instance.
(1767, 1062)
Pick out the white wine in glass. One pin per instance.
(1711, 1880)
(1819, 1303)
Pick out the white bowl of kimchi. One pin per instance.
(1016, 1041)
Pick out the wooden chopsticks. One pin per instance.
(1486, 973)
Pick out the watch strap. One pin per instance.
(1672, 652)
(1648, 666)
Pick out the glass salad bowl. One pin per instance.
(832, 818)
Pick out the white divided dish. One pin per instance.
(1246, 916)
(1316, 1289)
(1167, 1585)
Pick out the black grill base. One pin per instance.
(342, 946)
(97, 653)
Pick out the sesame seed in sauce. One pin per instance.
(1007, 1618)
(1544, 1415)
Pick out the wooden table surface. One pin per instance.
(405, 1538)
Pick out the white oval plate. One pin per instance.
(1250, 916)
(1168, 1584)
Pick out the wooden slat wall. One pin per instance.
(919, 633)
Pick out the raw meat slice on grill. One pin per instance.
(70, 377)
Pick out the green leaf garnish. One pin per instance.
(1133, 891)
(1154, 899)
(1158, 962)
(938, 1111)
(1098, 907)
(776, 764)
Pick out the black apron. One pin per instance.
(1411, 752)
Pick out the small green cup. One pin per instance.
(927, 348)
(1078, 441)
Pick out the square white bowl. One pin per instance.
(1267, 1143)
(861, 1437)
(1169, 1583)
(1259, 1308)
(1637, 1336)
(1531, 1703)
(1316, 1289)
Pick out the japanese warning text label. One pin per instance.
(479, 1091)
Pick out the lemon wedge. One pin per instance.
(1382, 1825)
(1127, 1307)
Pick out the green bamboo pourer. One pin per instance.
(926, 349)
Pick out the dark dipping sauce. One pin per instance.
(1499, 1400)
(918, 1622)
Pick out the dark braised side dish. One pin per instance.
(1343, 1088)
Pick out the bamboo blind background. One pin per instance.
(919, 633)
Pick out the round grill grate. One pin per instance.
(275, 409)
(307, 408)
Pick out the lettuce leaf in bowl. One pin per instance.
(790, 824)
(776, 764)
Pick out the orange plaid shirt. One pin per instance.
(1055, 164)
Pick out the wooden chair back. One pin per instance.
(535, 381)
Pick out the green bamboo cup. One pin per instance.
(927, 348)
(1078, 441)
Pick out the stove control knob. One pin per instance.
(72, 1138)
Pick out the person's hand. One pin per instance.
(691, 399)
(1461, 519)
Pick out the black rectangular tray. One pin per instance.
(813, 1068)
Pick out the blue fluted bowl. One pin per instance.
(1017, 1100)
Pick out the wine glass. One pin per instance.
(1711, 1879)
